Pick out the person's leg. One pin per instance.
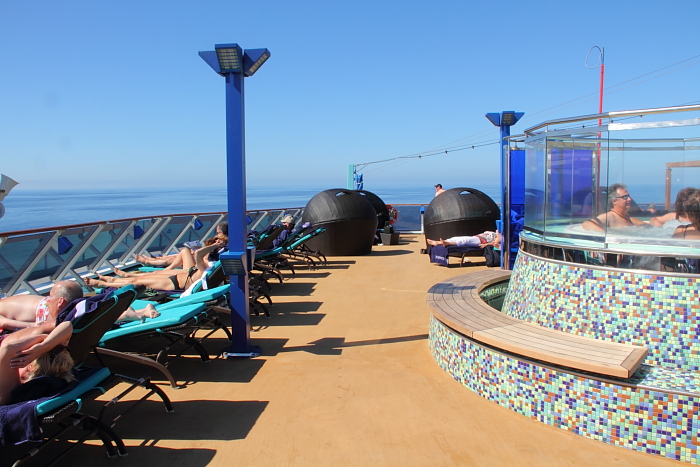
(184, 260)
(139, 315)
(115, 282)
(473, 242)
(158, 262)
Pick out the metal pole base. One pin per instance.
(253, 351)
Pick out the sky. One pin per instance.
(113, 94)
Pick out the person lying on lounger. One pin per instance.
(185, 255)
(22, 311)
(20, 349)
(162, 280)
(481, 240)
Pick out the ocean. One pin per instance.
(33, 209)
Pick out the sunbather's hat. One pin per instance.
(288, 220)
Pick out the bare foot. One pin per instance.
(120, 273)
(94, 282)
(141, 258)
(150, 311)
(432, 242)
(105, 278)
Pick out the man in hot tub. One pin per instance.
(618, 217)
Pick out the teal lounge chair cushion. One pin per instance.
(168, 318)
(75, 393)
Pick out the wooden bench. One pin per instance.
(456, 303)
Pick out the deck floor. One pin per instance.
(346, 378)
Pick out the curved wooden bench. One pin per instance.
(456, 302)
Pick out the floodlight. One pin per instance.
(229, 57)
(494, 118)
(253, 59)
(510, 118)
(233, 263)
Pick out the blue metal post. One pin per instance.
(236, 183)
(505, 198)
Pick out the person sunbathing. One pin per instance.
(19, 349)
(22, 311)
(481, 240)
(185, 255)
(161, 280)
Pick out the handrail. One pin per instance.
(617, 114)
(31, 260)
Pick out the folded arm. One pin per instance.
(60, 334)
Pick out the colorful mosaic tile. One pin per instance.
(635, 417)
(656, 311)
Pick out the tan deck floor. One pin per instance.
(346, 378)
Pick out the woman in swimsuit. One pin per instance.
(679, 214)
(185, 254)
(692, 213)
(162, 280)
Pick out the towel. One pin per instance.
(18, 422)
(81, 306)
(438, 254)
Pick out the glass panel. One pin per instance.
(16, 255)
(535, 173)
(615, 186)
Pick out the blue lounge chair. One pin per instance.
(45, 419)
(179, 323)
(292, 247)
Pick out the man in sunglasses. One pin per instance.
(618, 217)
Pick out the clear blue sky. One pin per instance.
(110, 94)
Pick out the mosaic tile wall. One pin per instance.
(659, 312)
(649, 421)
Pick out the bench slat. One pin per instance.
(457, 303)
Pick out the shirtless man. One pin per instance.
(617, 217)
(22, 311)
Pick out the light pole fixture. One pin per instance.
(504, 121)
(234, 63)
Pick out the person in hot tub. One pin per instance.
(618, 217)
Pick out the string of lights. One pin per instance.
(450, 147)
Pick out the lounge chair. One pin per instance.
(179, 323)
(47, 418)
(274, 258)
(301, 250)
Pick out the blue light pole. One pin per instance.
(231, 62)
(504, 121)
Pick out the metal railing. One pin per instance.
(32, 260)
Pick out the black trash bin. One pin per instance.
(460, 212)
(349, 219)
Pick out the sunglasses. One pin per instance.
(624, 197)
